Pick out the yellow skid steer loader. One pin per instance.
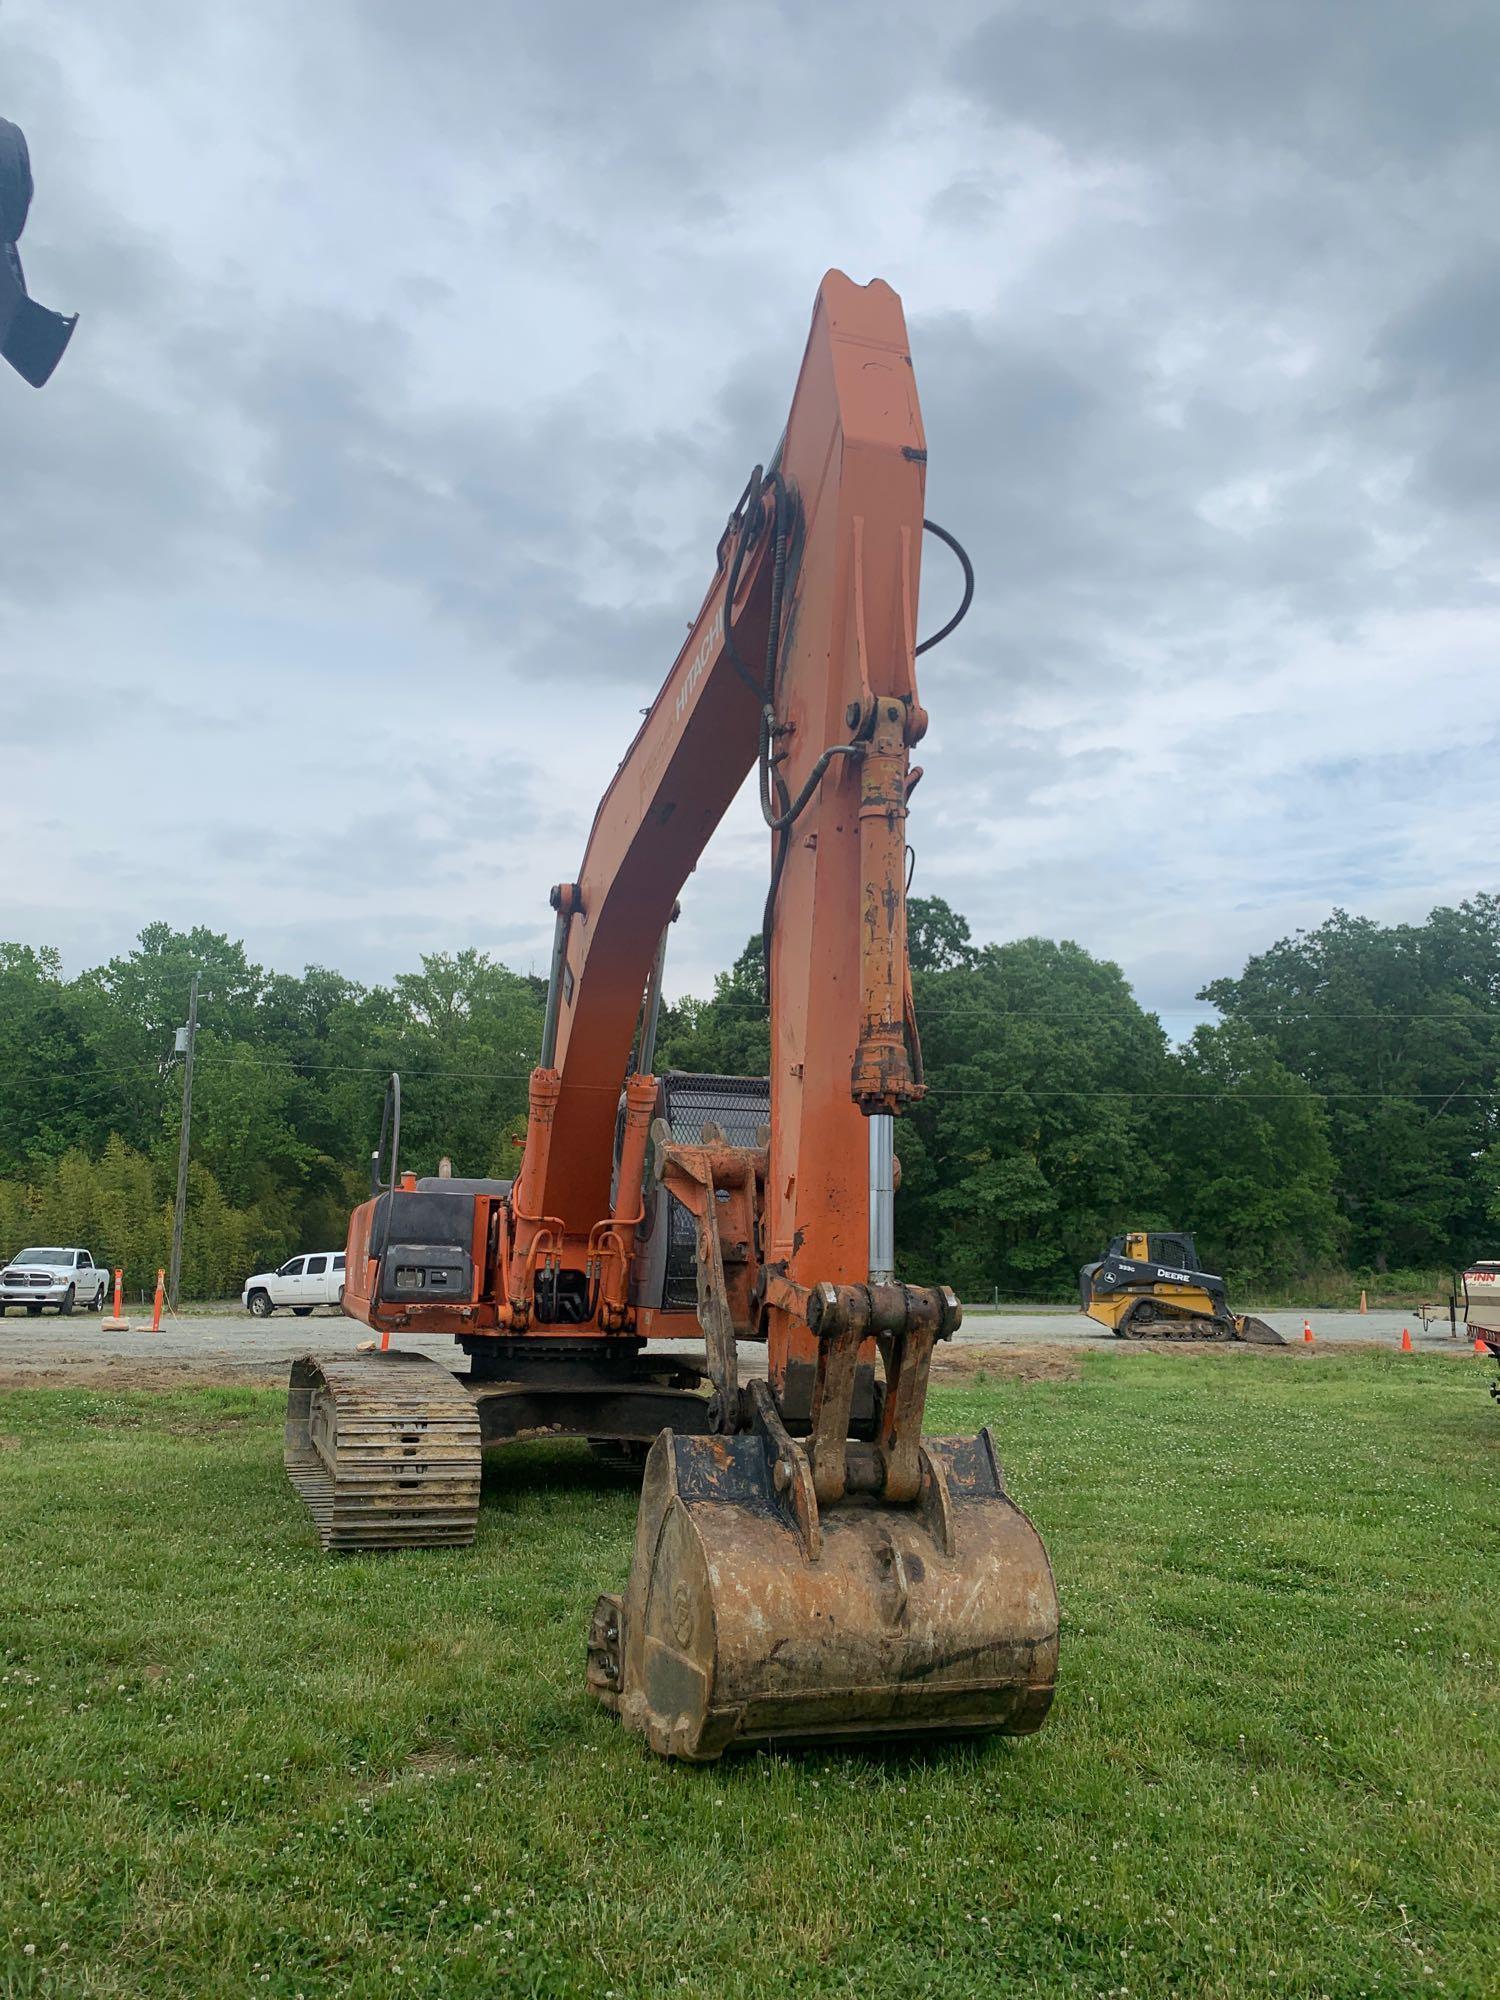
(1147, 1286)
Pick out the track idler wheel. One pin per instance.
(753, 1616)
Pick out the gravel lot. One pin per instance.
(231, 1345)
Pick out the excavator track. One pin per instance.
(385, 1451)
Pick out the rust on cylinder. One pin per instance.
(881, 1078)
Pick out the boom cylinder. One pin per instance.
(564, 899)
(882, 1198)
(651, 1008)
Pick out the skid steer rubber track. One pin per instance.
(1141, 1323)
(385, 1450)
(1198, 1326)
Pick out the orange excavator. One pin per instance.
(807, 1566)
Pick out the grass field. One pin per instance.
(232, 1766)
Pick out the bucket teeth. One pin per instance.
(936, 1618)
(385, 1451)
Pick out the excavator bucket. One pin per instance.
(751, 1616)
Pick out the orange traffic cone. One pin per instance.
(1307, 1333)
(1363, 1304)
(1406, 1340)
(117, 1322)
(1479, 1346)
(161, 1292)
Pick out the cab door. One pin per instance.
(314, 1290)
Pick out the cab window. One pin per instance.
(338, 1262)
(316, 1266)
(292, 1268)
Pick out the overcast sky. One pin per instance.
(425, 347)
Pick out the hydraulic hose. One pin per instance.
(968, 597)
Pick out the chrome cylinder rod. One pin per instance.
(882, 1198)
(555, 984)
(651, 1007)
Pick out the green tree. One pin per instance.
(1249, 1167)
(1037, 1139)
(464, 1032)
(937, 937)
(1398, 1028)
(53, 1089)
(728, 1034)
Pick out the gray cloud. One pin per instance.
(423, 353)
(1344, 82)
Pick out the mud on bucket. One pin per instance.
(752, 1616)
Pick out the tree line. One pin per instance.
(1340, 1114)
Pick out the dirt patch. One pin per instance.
(9, 1443)
(154, 1376)
(1241, 1350)
(1009, 1364)
(1201, 1350)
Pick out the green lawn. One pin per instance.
(231, 1765)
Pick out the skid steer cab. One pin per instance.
(700, 1271)
(1148, 1286)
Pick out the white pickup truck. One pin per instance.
(51, 1276)
(301, 1284)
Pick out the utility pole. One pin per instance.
(174, 1272)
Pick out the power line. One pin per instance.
(984, 1090)
(1019, 1087)
(1486, 1011)
(1230, 1096)
(298, 1066)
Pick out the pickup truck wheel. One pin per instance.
(67, 1302)
(260, 1304)
(301, 1312)
(98, 1305)
(339, 1301)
